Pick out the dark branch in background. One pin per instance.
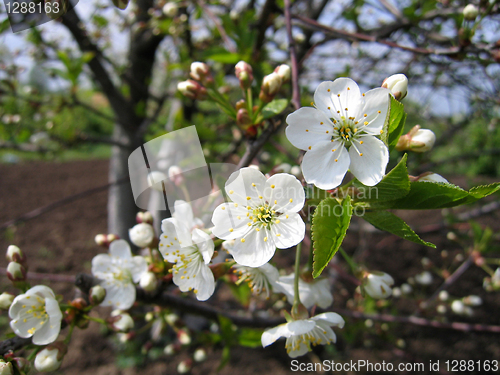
(52, 206)
(253, 147)
(261, 27)
(228, 43)
(293, 57)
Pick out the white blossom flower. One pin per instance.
(301, 334)
(317, 292)
(200, 355)
(424, 278)
(472, 300)
(122, 321)
(459, 308)
(142, 235)
(48, 360)
(262, 217)
(191, 249)
(260, 279)
(119, 270)
(340, 134)
(377, 284)
(36, 314)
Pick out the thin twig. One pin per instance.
(229, 44)
(45, 276)
(253, 147)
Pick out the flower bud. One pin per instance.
(155, 179)
(296, 171)
(398, 84)
(184, 337)
(472, 300)
(22, 364)
(270, 87)
(112, 237)
(200, 355)
(142, 235)
(284, 72)
(170, 349)
(50, 358)
(201, 72)
(424, 278)
(148, 282)
(101, 240)
(244, 73)
(6, 368)
(240, 104)
(121, 321)
(470, 12)
(16, 272)
(170, 9)
(14, 254)
(432, 177)
(172, 319)
(242, 117)
(6, 300)
(443, 295)
(459, 308)
(96, 295)
(175, 175)
(192, 89)
(144, 217)
(417, 140)
(377, 284)
(184, 366)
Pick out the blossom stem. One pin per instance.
(70, 333)
(33, 353)
(185, 192)
(296, 297)
(250, 102)
(98, 320)
(349, 260)
(495, 261)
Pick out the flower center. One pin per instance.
(263, 216)
(345, 130)
(123, 275)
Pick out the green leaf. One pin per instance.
(388, 222)
(395, 184)
(274, 108)
(397, 118)
(484, 190)
(250, 338)
(330, 222)
(225, 57)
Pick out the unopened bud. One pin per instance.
(144, 217)
(183, 337)
(22, 364)
(121, 321)
(170, 9)
(171, 319)
(112, 237)
(242, 117)
(6, 368)
(377, 284)
(244, 73)
(175, 175)
(417, 140)
(192, 89)
(6, 300)
(398, 84)
(142, 235)
(201, 72)
(472, 300)
(470, 12)
(101, 240)
(169, 349)
(184, 366)
(241, 104)
(200, 355)
(96, 295)
(424, 278)
(148, 282)
(16, 272)
(14, 254)
(50, 358)
(155, 179)
(459, 308)
(443, 295)
(270, 87)
(284, 72)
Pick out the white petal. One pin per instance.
(330, 317)
(289, 231)
(369, 168)
(322, 293)
(207, 287)
(230, 220)
(204, 243)
(320, 168)
(118, 295)
(51, 328)
(271, 335)
(244, 183)
(184, 213)
(120, 249)
(174, 237)
(327, 100)
(375, 100)
(299, 327)
(271, 273)
(285, 193)
(101, 264)
(256, 250)
(21, 327)
(308, 126)
(137, 267)
(41, 290)
(301, 350)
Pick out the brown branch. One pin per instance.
(253, 147)
(293, 57)
(261, 27)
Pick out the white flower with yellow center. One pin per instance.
(36, 314)
(119, 270)
(191, 249)
(340, 134)
(263, 215)
(259, 279)
(301, 334)
(317, 292)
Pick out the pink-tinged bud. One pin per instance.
(241, 104)
(417, 140)
(6, 368)
(192, 89)
(50, 358)
(183, 337)
(398, 84)
(121, 321)
(244, 73)
(16, 272)
(184, 366)
(96, 295)
(470, 12)
(201, 72)
(101, 240)
(112, 237)
(242, 117)
(14, 254)
(284, 72)
(270, 87)
(175, 175)
(144, 217)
